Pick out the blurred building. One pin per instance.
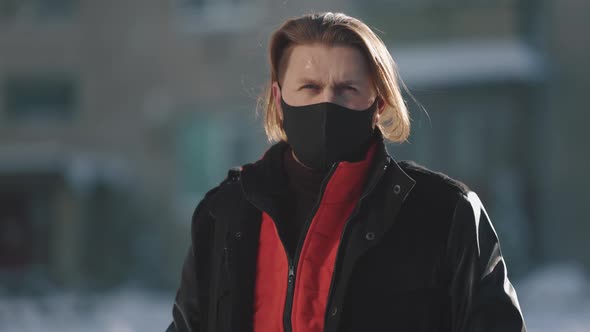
(117, 116)
(474, 69)
(503, 85)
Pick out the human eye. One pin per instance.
(309, 87)
(348, 89)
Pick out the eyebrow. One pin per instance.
(306, 80)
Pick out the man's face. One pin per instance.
(318, 73)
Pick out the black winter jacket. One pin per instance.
(424, 258)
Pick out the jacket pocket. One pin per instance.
(222, 321)
(223, 306)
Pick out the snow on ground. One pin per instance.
(556, 299)
(553, 299)
(123, 311)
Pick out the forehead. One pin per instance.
(319, 60)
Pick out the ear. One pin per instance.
(380, 105)
(276, 95)
(380, 110)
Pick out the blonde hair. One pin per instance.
(339, 29)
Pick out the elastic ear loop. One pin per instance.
(376, 107)
(281, 118)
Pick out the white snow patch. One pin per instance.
(121, 311)
(554, 298)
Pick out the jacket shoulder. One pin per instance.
(433, 200)
(433, 181)
(209, 203)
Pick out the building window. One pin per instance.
(208, 144)
(193, 3)
(36, 9)
(206, 16)
(212, 142)
(15, 229)
(202, 3)
(39, 97)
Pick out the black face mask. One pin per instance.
(324, 133)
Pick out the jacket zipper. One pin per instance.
(337, 259)
(288, 327)
(289, 298)
(293, 262)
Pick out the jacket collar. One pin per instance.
(264, 181)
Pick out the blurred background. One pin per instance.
(117, 116)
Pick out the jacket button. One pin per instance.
(397, 189)
(334, 311)
(370, 236)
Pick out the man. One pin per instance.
(327, 232)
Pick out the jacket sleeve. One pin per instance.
(482, 297)
(186, 312)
